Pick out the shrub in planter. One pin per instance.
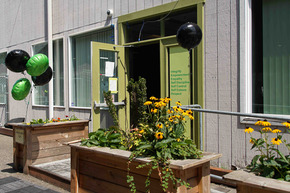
(270, 161)
(159, 136)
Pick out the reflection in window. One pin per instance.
(41, 92)
(80, 69)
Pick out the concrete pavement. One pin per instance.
(12, 181)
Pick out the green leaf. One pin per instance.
(114, 136)
(103, 139)
(160, 145)
(255, 159)
(115, 141)
(146, 146)
(282, 156)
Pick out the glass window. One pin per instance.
(156, 27)
(3, 79)
(41, 92)
(271, 57)
(80, 69)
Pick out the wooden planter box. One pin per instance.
(249, 182)
(41, 143)
(98, 169)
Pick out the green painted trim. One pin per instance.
(199, 79)
(158, 10)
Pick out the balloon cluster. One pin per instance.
(189, 35)
(37, 66)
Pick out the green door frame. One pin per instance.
(165, 42)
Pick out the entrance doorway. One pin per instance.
(145, 62)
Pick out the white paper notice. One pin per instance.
(113, 82)
(109, 71)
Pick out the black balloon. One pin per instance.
(43, 78)
(16, 60)
(189, 35)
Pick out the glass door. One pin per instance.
(108, 73)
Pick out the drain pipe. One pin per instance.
(50, 55)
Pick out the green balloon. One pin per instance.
(37, 65)
(21, 89)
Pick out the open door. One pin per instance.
(108, 73)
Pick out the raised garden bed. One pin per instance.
(42, 143)
(98, 169)
(248, 182)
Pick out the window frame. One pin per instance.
(246, 64)
(6, 75)
(64, 76)
(70, 44)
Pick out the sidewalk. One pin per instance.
(16, 182)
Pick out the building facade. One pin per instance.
(229, 71)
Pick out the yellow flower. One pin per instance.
(159, 135)
(276, 141)
(153, 98)
(153, 110)
(141, 131)
(191, 117)
(189, 112)
(266, 123)
(276, 131)
(259, 122)
(178, 139)
(28, 124)
(249, 130)
(148, 103)
(170, 119)
(159, 126)
(251, 141)
(286, 124)
(178, 103)
(266, 129)
(169, 111)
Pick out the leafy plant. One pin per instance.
(159, 135)
(112, 107)
(41, 121)
(138, 96)
(270, 162)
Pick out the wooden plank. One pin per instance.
(50, 178)
(56, 136)
(50, 159)
(116, 162)
(117, 176)
(53, 143)
(74, 185)
(100, 186)
(50, 152)
(204, 174)
(6, 131)
(254, 183)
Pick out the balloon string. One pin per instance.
(27, 103)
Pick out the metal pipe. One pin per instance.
(193, 108)
(50, 55)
